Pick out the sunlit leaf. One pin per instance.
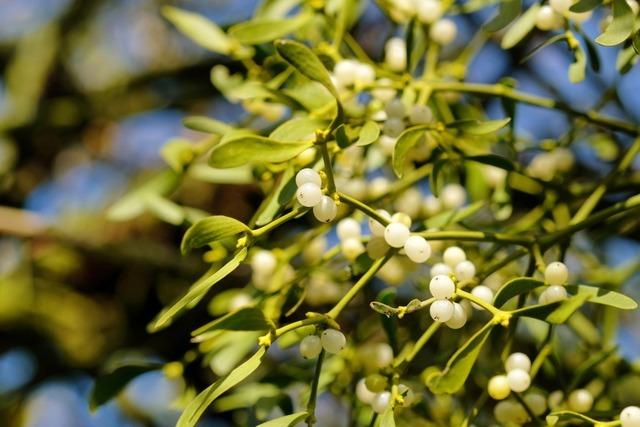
(245, 319)
(199, 29)
(177, 153)
(479, 127)
(209, 230)
(387, 418)
(206, 124)
(369, 132)
(455, 216)
(285, 421)
(520, 28)
(297, 129)
(165, 209)
(253, 148)
(406, 141)
(509, 10)
(264, 30)
(604, 296)
(578, 68)
(620, 27)
(556, 417)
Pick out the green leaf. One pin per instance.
(253, 148)
(285, 189)
(582, 6)
(387, 419)
(177, 153)
(245, 319)
(201, 402)
(620, 28)
(509, 10)
(555, 312)
(548, 42)
(165, 209)
(247, 396)
(211, 229)
(520, 28)
(515, 287)
(297, 129)
(578, 68)
(306, 63)
(196, 291)
(207, 125)
(455, 373)
(479, 127)
(341, 137)
(239, 175)
(264, 30)
(108, 386)
(406, 141)
(199, 29)
(286, 420)
(493, 160)
(135, 202)
(603, 296)
(369, 133)
(455, 216)
(555, 417)
(635, 42)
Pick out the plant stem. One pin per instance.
(357, 287)
(328, 168)
(356, 204)
(278, 221)
(311, 406)
(298, 324)
(482, 303)
(480, 236)
(422, 341)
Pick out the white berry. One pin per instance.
(378, 186)
(536, 402)
(443, 31)
(351, 248)
(453, 196)
(441, 310)
(309, 194)
(365, 395)
(580, 400)
(381, 402)
(465, 270)
(431, 205)
(498, 387)
(263, 263)
(458, 318)
(393, 127)
(310, 346)
(556, 273)
(555, 293)
(417, 249)
(383, 91)
(333, 341)
(428, 11)
(376, 228)
(345, 72)
(555, 400)
(453, 256)
(348, 228)
(484, 293)
(396, 234)
(630, 416)
(518, 361)
(326, 210)
(364, 74)
(440, 268)
(519, 380)
(382, 355)
(442, 287)
(395, 108)
(308, 175)
(395, 54)
(420, 115)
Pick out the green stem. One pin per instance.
(356, 204)
(357, 287)
(422, 341)
(278, 221)
(477, 236)
(299, 324)
(311, 406)
(328, 168)
(482, 303)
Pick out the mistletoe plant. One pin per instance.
(494, 235)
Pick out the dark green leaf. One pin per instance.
(620, 28)
(548, 42)
(635, 42)
(201, 402)
(582, 6)
(509, 10)
(107, 386)
(209, 230)
(479, 127)
(196, 291)
(604, 296)
(556, 312)
(206, 124)
(245, 319)
(438, 166)
(341, 137)
(493, 160)
(520, 28)
(407, 140)
(199, 29)
(369, 132)
(454, 375)
(263, 30)
(514, 288)
(286, 420)
(253, 148)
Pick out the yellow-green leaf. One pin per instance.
(135, 202)
(263, 30)
(406, 141)
(247, 148)
(508, 11)
(604, 296)
(520, 28)
(479, 127)
(369, 132)
(207, 125)
(199, 29)
(286, 420)
(245, 319)
(209, 230)
(620, 28)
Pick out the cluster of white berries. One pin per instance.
(373, 393)
(552, 16)
(510, 411)
(545, 165)
(579, 400)
(452, 196)
(443, 309)
(442, 30)
(264, 265)
(517, 379)
(555, 275)
(309, 194)
(331, 340)
(349, 72)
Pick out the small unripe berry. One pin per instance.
(395, 54)
(376, 228)
(441, 310)
(364, 74)
(378, 186)
(352, 248)
(263, 263)
(536, 402)
(395, 108)
(504, 411)
(458, 318)
(383, 355)
(420, 115)
(554, 400)
(310, 346)
(498, 387)
(453, 196)
(314, 250)
(440, 268)
(348, 228)
(376, 383)
(443, 31)
(383, 91)
(519, 380)
(556, 273)
(465, 270)
(484, 293)
(442, 287)
(580, 400)
(381, 402)
(393, 127)
(365, 395)
(308, 175)
(309, 194)
(396, 234)
(417, 249)
(326, 210)
(333, 341)
(453, 256)
(548, 19)
(345, 72)
(402, 218)
(518, 361)
(428, 11)
(431, 205)
(630, 416)
(555, 293)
